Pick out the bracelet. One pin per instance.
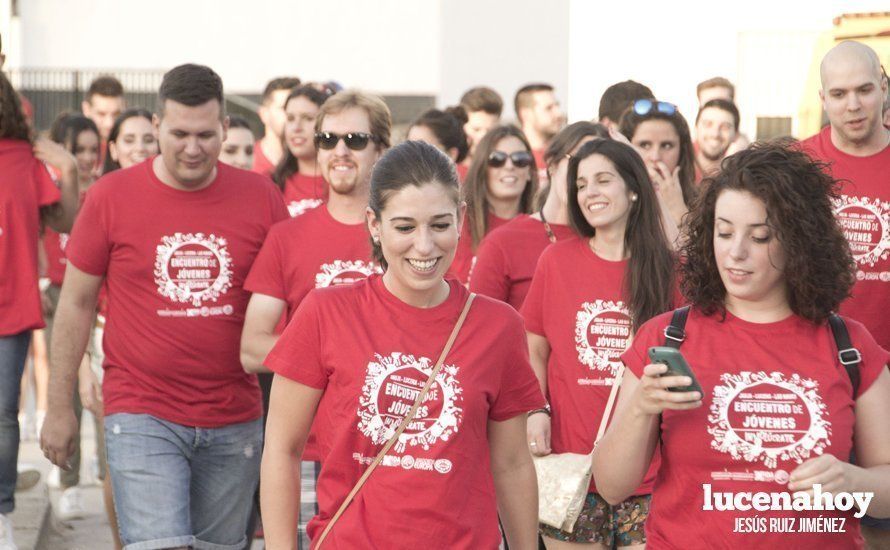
(545, 410)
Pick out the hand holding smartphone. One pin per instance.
(677, 366)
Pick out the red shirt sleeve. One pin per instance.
(533, 306)
(267, 272)
(488, 277)
(519, 389)
(874, 358)
(47, 192)
(636, 357)
(297, 353)
(89, 247)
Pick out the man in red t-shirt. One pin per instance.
(173, 238)
(856, 146)
(716, 129)
(326, 246)
(103, 103)
(540, 118)
(270, 149)
(28, 198)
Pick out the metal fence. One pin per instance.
(54, 91)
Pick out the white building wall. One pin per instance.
(388, 46)
(503, 44)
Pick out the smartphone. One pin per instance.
(677, 366)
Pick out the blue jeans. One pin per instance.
(13, 352)
(177, 485)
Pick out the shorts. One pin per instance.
(308, 500)
(600, 522)
(178, 485)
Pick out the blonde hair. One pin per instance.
(378, 113)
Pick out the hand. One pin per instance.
(652, 396)
(57, 436)
(50, 152)
(834, 475)
(89, 388)
(538, 433)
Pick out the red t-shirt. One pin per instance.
(435, 485)
(576, 302)
(302, 193)
(54, 244)
(261, 163)
(863, 211)
(465, 256)
(775, 396)
(462, 170)
(311, 251)
(175, 262)
(506, 260)
(25, 186)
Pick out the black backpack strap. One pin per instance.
(675, 333)
(846, 353)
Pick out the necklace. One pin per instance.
(547, 228)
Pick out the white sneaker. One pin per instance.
(53, 479)
(6, 541)
(28, 476)
(71, 504)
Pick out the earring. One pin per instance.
(376, 239)
(633, 197)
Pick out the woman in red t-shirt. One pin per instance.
(661, 135)
(506, 260)
(131, 140)
(445, 131)
(765, 265)
(501, 184)
(360, 353)
(589, 294)
(297, 173)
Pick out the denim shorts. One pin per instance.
(177, 485)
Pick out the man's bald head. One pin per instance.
(853, 92)
(850, 54)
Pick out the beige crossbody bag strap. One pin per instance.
(616, 385)
(403, 425)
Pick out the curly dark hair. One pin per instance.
(797, 192)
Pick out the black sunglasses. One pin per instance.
(520, 159)
(356, 141)
(643, 107)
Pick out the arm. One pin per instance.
(538, 431)
(74, 319)
(621, 459)
(515, 482)
(60, 215)
(291, 410)
(258, 336)
(871, 437)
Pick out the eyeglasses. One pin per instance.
(356, 141)
(643, 107)
(520, 159)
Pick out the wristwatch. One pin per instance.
(545, 409)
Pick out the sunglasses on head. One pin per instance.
(643, 107)
(520, 159)
(356, 141)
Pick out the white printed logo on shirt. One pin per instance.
(760, 417)
(602, 332)
(344, 272)
(866, 224)
(295, 208)
(392, 383)
(193, 268)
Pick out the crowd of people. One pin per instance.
(342, 338)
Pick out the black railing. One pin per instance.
(53, 91)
